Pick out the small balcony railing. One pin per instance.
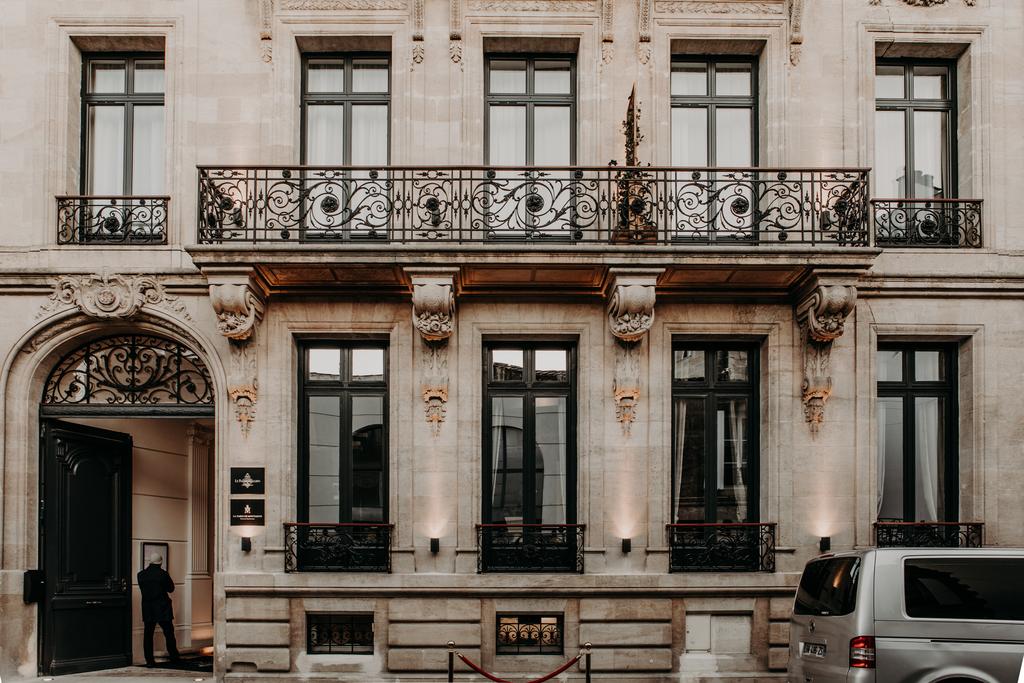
(532, 548)
(573, 205)
(929, 534)
(337, 547)
(737, 547)
(930, 223)
(112, 220)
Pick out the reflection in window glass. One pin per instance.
(890, 154)
(323, 472)
(688, 364)
(731, 447)
(890, 365)
(551, 365)
(550, 415)
(689, 496)
(731, 366)
(368, 364)
(367, 422)
(964, 588)
(325, 364)
(507, 365)
(507, 460)
(529, 634)
(930, 149)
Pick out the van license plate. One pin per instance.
(813, 650)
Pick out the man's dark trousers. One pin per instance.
(147, 639)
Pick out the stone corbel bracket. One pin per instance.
(821, 314)
(238, 303)
(433, 316)
(631, 297)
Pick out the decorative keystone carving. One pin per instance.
(433, 304)
(435, 405)
(238, 309)
(631, 305)
(244, 398)
(821, 315)
(105, 296)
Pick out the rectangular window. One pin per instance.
(964, 588)
(714, 428)
(917, 433)
(123, 124)
(346, 100)
(915, 129)
(343, 471)
(339, 634)
(714, 112)
(529, 459)
(529, 634)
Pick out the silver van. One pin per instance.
(913, 615)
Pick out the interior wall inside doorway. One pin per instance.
(172, 470)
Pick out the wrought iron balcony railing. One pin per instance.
(337, 547)
(530, 548)
(931, 223)
(112, 220)
(737, 547)
(929, 534)
(642, 205)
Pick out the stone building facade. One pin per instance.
(628, 402)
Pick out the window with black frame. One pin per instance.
(529, 458)
(345, 122)
(917, 433)
(343, 473)
(123, 153)
(916, 157)
(530, 120)
(715, 433)
(714, 124)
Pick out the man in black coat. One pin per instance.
(155, 584)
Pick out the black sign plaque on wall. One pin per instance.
(247, 512)
(247, 480)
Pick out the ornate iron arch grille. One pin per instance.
(138, 374)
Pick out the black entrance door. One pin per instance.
(85, 537)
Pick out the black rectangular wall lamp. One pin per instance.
(435, 545)
(825, 544)
(246, 544)
(627, 545)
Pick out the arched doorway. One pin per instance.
(125, 471)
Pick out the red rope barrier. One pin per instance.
(469, 662)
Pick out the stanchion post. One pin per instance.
(586, 649)
(451, 661)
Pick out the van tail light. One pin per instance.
(862, 652)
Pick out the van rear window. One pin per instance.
(828, 587)
(964, 588)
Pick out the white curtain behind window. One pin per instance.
(148, 150)
(738, 421)
(106, 151)
(680, 421)
(926, 454)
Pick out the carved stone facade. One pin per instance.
(821, 315)
(631, 303)
(238, 310)
(106, 295)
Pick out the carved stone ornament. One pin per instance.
(795, 12)
(244, 399)
(435, 405)
(713, 7)
(266, 30)
(822, 316)
(107, 296)
(238, 310)
(631, 307)
(433, 307)
(626, 400)
(926, 3)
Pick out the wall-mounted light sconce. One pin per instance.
(246, 544)
(435, 546)
(627, 545)
(825, 544)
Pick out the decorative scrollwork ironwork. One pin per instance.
(130, 370)
(337, 547)
(520, 205)
(530, 548)
(949, 223)
(329, 633)
(112, 220)
(746, 547)
(929, 534)
(525, 634)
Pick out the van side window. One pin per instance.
(828, 587)
(964, 588)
